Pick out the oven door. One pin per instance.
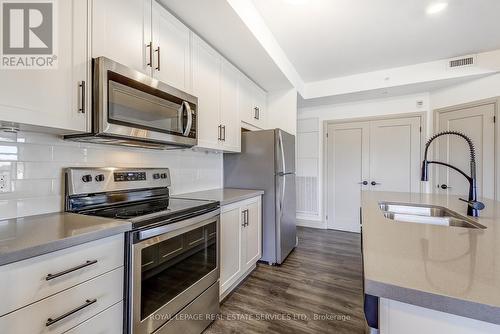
(133, 105)
(171, 266)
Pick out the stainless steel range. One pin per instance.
(172, 251)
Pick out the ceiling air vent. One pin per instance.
(461, 62)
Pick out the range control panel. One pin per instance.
(97, 180)
(129, 176)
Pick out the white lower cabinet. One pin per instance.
(65, 310)
(396, 317)
(109, 321)
(59, 291)
(241, 241)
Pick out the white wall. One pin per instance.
(282, 110)
(319, 114)
(483, 88)
(34, 163)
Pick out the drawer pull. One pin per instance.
(88, 302)
(62, 273)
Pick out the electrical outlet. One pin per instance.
(4, 183)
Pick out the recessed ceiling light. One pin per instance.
(296, 2)
(436, 7)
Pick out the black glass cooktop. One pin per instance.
(148, 212)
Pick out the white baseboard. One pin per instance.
(311, 223)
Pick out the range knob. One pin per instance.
(87, 178)
(156, 176)
(163, 175)
(100, 178)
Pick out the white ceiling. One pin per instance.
(217, 23)
(330, 38)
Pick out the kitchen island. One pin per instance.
(446, 279)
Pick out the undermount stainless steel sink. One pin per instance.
(426, 214)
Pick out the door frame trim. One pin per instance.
(496, 140)
(324, 163)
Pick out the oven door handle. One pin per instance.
(163, 229)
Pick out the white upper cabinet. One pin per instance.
(230, 117)
(253, 103)
(207, 87)
(171, 49)
(215, 83)
(121, 31)
(56, 97)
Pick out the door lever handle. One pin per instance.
(365, 183)
(373, 183)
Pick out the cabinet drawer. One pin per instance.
(68, 308)
(109, 321)
(74, 265)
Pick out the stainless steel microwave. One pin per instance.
(134, 109)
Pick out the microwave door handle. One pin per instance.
(180, 117)
(190, 118)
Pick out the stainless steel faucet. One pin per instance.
(474, 206)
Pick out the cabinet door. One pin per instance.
(121, 31)
(230, 118)
(52, 97)
(259, 109)
(206, 86)
(246, 99)
(171, 54)
(230, 248)
(253, 241)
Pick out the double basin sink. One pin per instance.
(426, 214)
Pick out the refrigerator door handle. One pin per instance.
(282, 150)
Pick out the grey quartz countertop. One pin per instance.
(23, 238)
(450, 269)
(224, 195)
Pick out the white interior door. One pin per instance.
(382, 155)
(348, 167)
(477, 123)
(395, 155)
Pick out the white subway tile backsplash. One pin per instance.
(34, 164)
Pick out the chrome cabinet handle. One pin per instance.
(256, 111)
(244, 213)
(88, 302)
(67, 271)
(223, 133)
(158, 50)
(220, 132)
(150, 46)
(247, 220)
(83, 97)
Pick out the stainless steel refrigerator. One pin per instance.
(267, 162)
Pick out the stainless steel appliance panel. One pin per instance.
(266, 157)
(134, 109)
(188, 320)
(171, 269)
(254, 168)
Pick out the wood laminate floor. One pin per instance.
(317, 290)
